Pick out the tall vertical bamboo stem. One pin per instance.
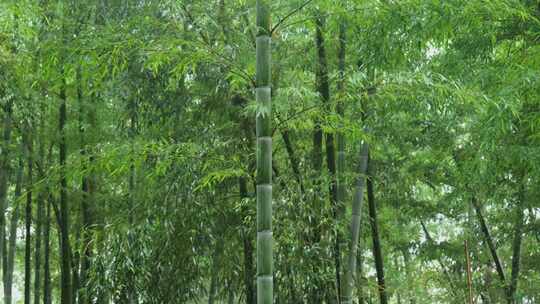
(264, 156)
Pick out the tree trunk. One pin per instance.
(377, 251)
(350, 271)
(264, 156)
(8, 259)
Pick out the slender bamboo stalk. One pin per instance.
(38, 228)
(5, 168)
(9, 255)
(323, 88)
(293, 159)
(341, 154)
(66, 289)
(47, 294)
(4, 177)
(264, 156)
(453, 287)
(489, 241)
(360, 279)
(516, 245)
(28, 220)
(212, 293)
(350, 271)
(340, 167)
(65, 265)
(82, 293)
(75, 264)
(377, 250)
(408, 273)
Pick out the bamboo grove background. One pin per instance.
(151, 151)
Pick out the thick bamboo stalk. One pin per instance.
(350, 271)
(264, 156)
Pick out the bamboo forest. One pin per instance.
(270, 151)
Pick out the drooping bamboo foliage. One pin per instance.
(350, 271)
(264, 156)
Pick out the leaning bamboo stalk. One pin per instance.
(350, 272)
